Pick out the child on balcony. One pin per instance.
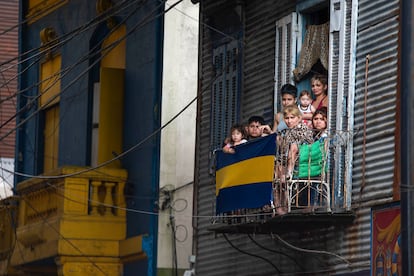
(289, 94)
(237, 137)
(257, 128)
(306, 107)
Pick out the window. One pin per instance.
(288, 40)
(290, 34)
(108, 117)
(226, 68)
(108, 101)
(225, 90)
(49, 103)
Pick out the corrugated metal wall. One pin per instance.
(259, 58)
(8, 76)
(377, 36)
(216, 256)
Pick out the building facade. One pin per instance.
(248, 50)
(89, 172)
(179, 83)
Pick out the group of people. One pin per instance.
(298, 125)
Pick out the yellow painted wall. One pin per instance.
(50, 81)
(39, 8)
(115, 58)
(111, 115)
(111, 103)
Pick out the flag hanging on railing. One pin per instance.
(244, 179)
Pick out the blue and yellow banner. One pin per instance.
(244, 179)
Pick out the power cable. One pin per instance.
(104, 50)
(309, 250)
(251, 254)
(118, 156)
(65, 239)
(12, 218)
(173, 242)
(38, 55)
(133, 210)
(30, 103)
(62, 237)
(110, 160)
(110, 12)
(33, 99)
(53, 46)
(277, 252)
(37, 14)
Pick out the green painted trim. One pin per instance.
(169, 271)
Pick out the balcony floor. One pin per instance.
(294, 221)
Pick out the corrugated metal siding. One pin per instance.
(204, 187)
(259, 56)
(215, 256)
(377, 36)
(8, 78)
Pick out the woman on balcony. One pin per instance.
(312, 162)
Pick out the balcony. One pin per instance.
(73, 222)
(260, 190)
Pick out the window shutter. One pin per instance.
(49, 102)
(51, 139)
(340, 114)
(110, 117)
(288, 41)
(224, 91)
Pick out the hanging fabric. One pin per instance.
(315, 46)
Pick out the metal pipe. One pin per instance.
(364, 140)
(407, 135)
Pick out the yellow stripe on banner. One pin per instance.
(254, 170)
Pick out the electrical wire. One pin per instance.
(309, 250)
(92, 52)
(68, 240)
(208, 216)
(12, 218)
(277, 252)
(251, 254)
(62, 237)
(266, 259)
(174, 244)
(104, 50)
(118, 156)
(88, 24)
(33, 99)
(38, 55)
(185, 232)
(176, 3)
(126, 209)
(113, 159)
(38, 51)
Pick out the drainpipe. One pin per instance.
(407, 136)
